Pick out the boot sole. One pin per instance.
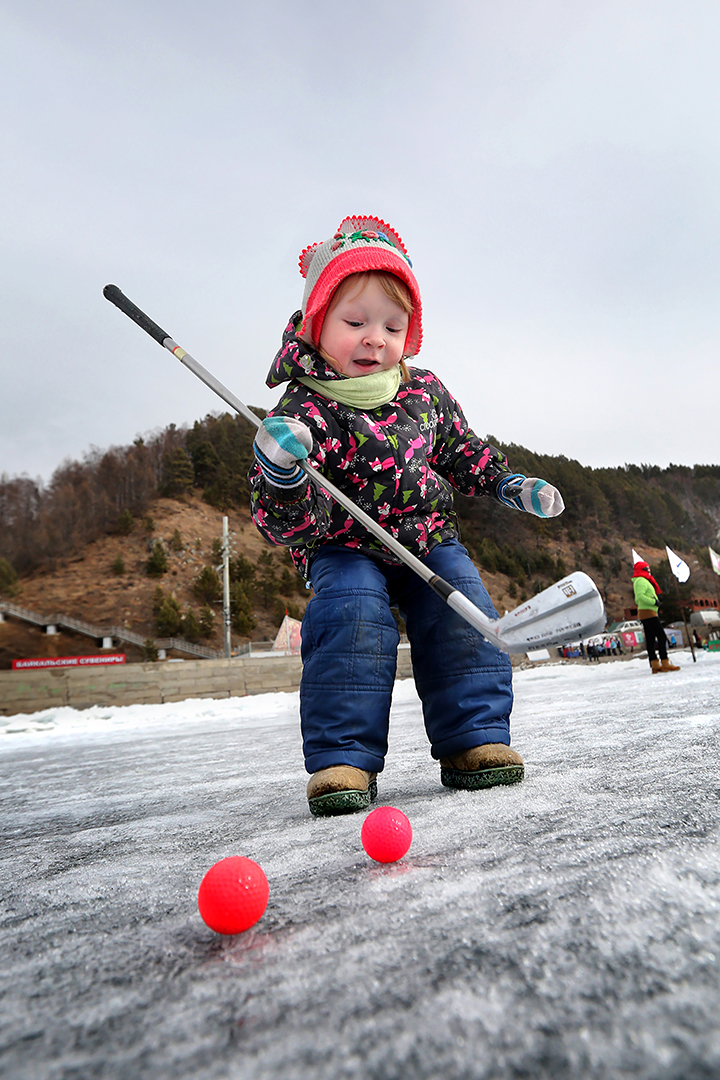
(485, 778)
(342, 802)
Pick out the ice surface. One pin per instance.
(565, 927)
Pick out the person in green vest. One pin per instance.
(647, 591)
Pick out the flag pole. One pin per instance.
(682, 612)
(227, 614)
(680, 572)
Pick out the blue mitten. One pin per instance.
(280, 442)
(532, 495)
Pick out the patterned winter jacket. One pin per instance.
(399, 463)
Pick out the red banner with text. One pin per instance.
(68, 661)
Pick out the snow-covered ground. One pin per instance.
(565, 927)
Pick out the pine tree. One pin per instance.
(190, 627)
(8, 578)
(287, 582)
(126, 523)
(150, 652)
(207, 621)
(157, 564)
(169, 618)
(158, 597)
(243, 571)
(178, 473)
(207, 585)
(241, 613)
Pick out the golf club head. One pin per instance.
(566, 612)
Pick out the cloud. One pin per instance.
(553, 169)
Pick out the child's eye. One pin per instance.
(353, 322)
(393, 329)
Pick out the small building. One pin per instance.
(702, 603)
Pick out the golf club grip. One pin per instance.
(113, 294)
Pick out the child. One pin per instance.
(397, 442)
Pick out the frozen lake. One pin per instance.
(567, 927)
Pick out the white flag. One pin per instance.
(714, 560)
(680, 569)
(637, 558)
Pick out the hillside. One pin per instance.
(86, 587)
(80, 546)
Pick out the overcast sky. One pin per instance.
(552, 166)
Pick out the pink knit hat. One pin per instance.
(360, 244)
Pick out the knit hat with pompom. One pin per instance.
(358, 245)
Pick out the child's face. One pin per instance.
(365, 331)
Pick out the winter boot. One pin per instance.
(482, 767)
(341, 789)
(667, 666)
(655, 665)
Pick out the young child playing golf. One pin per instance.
(395, 440)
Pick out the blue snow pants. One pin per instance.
(349, 650)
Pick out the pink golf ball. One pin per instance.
(233, 895)
(386, 834)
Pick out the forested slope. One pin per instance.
(108, 502)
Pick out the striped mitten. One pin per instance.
(532, 495)
(280, 442)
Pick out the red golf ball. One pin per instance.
(386, 834)
(233, 895)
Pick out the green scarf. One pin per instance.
(365, 392)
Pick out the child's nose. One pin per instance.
(374, 337)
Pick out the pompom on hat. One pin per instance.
(358, 245)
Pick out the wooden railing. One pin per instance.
(119, 633)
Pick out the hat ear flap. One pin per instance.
(306, 257)
(304, 331)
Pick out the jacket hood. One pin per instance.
(296, 358)
(642, 570)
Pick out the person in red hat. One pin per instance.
(647, 592)
(394, 439)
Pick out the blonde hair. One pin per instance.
(392, 286)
